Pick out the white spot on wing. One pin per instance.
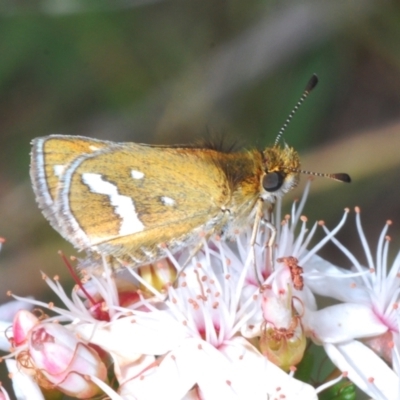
(123, 205)
(137, 174)
(92, 147)
(58, 170)
(167, 201)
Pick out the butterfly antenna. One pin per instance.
(340, 176)
(310, 86)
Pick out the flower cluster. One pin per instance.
(234, 324)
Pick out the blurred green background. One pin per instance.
(175, 71)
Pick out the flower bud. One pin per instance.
(61, 361)
(283, 346)
(282, 339)
(23, 323)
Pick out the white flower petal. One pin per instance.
(125, 368)
(235, 371)
(9, 309)
(342, 322)
(365, 369)
(328, 280)
(172, 379)
(153, 333)
(254, 377)
(4, 343)
(25, 387)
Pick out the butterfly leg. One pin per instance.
(260, 219)
(270, 245)
(271, 241)
(256, 226)
(257, 221)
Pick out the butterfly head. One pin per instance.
(280, 171)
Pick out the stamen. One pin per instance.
(326, 239)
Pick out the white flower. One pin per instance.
(284, 280)
(196, 338)
(371, 293)
(368, 312)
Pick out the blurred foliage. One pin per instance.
(171, 71)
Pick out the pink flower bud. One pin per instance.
(23, 323)
(63, 362)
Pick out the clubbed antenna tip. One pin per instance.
(310, 86)
(311, 83)
(342, 177)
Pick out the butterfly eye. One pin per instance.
(272, 181)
